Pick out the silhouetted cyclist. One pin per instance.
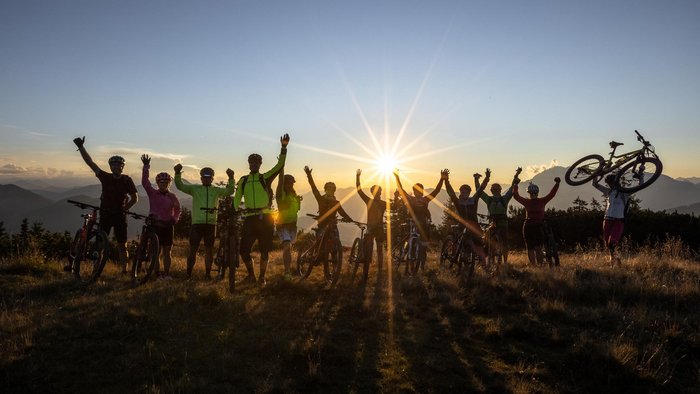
(466, 207)
(118, 195)
(376, 209)
(533, 228)
(497, 206)
(258, 224)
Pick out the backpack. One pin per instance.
(264, 184)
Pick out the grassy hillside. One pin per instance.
(581, 328)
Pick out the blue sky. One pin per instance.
(486, 84)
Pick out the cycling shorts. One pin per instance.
(533, 232)
(287, 232)
(201, 230)
(165, 234)
(116, 221)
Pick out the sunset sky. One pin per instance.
(441, 84)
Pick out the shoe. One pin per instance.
(262, 281)
(250, 279)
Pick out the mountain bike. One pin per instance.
(495, 246)
(551, 250)
(408, 251)
(88, 251)
(226, 256)
(326, 249)
(145, 257)
(631, 169)
(358, 254)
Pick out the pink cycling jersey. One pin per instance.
(165, 207)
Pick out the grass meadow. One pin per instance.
(583, 327)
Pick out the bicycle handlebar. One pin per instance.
(641, 139)
(82, 205)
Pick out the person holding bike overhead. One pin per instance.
(376, 208)
(164, 208)
(203, 220)
(533, 228)
(497, 206)
(288, 206)
(258, 224)
(466, 207)
(616, 203)
(118, 195)
(417, 205)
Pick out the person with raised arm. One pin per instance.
(118, 195)
(616, 204)
(417, 205)
(205, 197)
(466, 207)
(255, 190)
(497, 206)
(288, 206)
(533, 228)
(164, 207)
(376, 209)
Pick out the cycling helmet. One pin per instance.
(116, 160)
(532, 188)
(254, 157)
(496, 187)
(329, 185)
(289, 179)
(163, 176)
(206, 172)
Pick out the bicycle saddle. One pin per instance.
(614, 144)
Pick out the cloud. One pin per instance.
(12, 168)
(176, 157)
(533, 169)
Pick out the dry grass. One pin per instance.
(584, 327)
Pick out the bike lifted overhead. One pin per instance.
(633, 170)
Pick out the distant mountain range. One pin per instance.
(48, 205)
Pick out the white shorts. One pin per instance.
(287, 232)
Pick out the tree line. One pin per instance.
(577, 227)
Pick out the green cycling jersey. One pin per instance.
(254, 191)
(204, 197)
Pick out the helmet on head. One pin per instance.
(254, 157)
(496, 187)
(116, 160)
(289, 179)
(329, 185)
(418, 187)
(375, 189)
(532, 188)
(206, 172)
(163, 176)
(465, 187)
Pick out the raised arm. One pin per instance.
(398, 184)
(444, 175)
(360, 193)
(517, 195)
(314, 189)
(231, 184)
(281, 159)
(480, 188)
(279, 190)
(145, 182)
(451, 193)
(80, 143)
(597, 185)
(552, 192)
(187, 189)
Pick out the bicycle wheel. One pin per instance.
(355, 257)
(145, 258)
(446, 252)
(399, 253)
(584, 169)
(630, 177)
(305, 261)
(88, 265)
(335, 262)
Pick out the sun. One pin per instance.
(386, 164)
